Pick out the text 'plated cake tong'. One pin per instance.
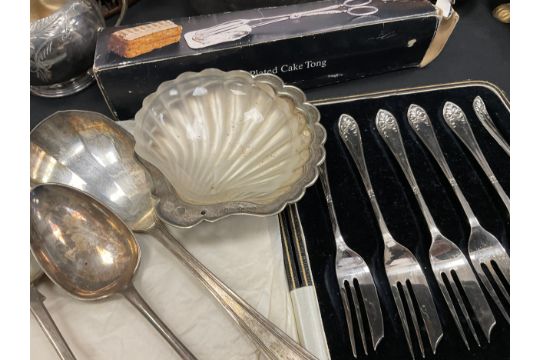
(351, 268)
(485, 251)
(449, 264)
(402, 269)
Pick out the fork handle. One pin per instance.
(323, 175)
(421, 124)
(268, 337)
(388, 128)
(457, 121)
(350, 134)
(481, 112)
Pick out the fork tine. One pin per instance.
(348, 317)
(477, 299)
(403, 318)
(461, 304)
(368, 291)
(495, 276)
(428, 311)
(491, 291)
(412, 311)
(451, 307)
(359, 316)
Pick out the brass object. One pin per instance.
(40, 9)
(442, 34)
(502, 13)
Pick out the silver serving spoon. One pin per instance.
(90, 152)
(88, 251)
(42, 316)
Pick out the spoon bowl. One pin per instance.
(83, 247)
(87, 250)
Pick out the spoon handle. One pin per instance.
(47, 324)
(268, 337)
(136, 300)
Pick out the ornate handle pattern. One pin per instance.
(268, 337)
(350, 134)
(388, 128)
(457, 121)
(481, 112)
(421, 124)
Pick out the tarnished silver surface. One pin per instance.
(90, 152)
(88, 251)
(227, 143)
(483, 115)
(457, 121)
(484, 248)
(402, 268)
(446, 258)
(350, 267)
(62, 45)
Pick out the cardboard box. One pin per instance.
(307, 45)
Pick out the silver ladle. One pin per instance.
(90, 152)
(88, 251)
(42, 316)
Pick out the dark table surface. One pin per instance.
(479, 49)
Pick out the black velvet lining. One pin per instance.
(403, 215)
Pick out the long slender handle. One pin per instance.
(388, 128)
(481, 112)
(323, 176)
(268, 337)
(350, 134)
(421, 124)
(136, 300)
(457, 121)
(46, 322)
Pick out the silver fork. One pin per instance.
(484, 248)
(402, 268)
(350, 267)
(481, 112)
(457, 121)
(447, 260)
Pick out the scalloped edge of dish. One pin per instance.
(172, 210)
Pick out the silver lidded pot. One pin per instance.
(63, 36)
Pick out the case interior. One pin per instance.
(402, 213)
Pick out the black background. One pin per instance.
(479, 49)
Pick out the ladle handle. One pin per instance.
(268, 337)
(46, 322)
(136, 300)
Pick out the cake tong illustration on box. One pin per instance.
(237, 29)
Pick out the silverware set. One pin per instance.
(455, 276)
(79, 152)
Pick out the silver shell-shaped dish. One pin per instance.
(228, 143)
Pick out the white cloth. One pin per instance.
(243, 251)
